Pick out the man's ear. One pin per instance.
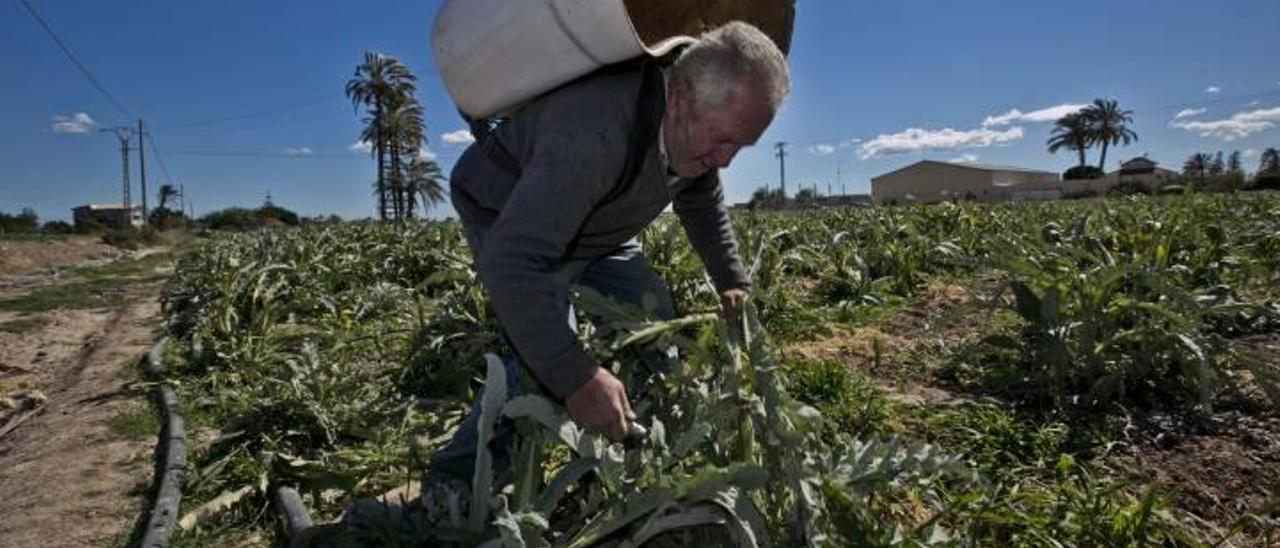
(679, 95)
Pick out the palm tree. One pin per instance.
(404, 131)
(1072, 133)
(375, 83)
(1197, 166)
(167, 192)
(1107, 126)
(423, 178)
(1270, 162)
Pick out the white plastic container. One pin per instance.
(496, 54)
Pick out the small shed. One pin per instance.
(109, 215)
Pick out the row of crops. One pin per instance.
(336, 359)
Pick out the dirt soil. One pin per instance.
(1218, 468)
(943, 314)
(66, 478)
(18, 258)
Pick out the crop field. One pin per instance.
(1089, 373)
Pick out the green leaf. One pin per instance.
(555, 490)
(495, 395)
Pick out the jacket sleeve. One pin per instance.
(568, 172)
(701, 209)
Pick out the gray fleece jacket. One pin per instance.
(571, 146)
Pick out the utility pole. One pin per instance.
(142, 170)
(122, 133)
(839, 180)
(782, 167)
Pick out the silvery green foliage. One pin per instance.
(745, 464)
(495, 395)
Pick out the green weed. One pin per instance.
(137, 422)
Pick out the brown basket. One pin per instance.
(658, 19)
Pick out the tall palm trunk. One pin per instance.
(1082, 159)
(410, 190)
(380, 143)
(1102, 164)
(397, 175)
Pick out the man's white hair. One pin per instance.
(724, 58)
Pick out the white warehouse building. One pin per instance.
(933, 181)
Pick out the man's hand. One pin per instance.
(731, 301)
(601, 405)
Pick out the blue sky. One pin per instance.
(245, 98)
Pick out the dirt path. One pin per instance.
(68, 475)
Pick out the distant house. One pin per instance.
(1141, 171)
(110, 215)
(933, 181)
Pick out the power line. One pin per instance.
(293, 156)
(83, 69)
(260, 113)
(159, 159)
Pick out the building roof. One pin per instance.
(102, 207)
(967, 165)
(1140, 160)
(992, 167)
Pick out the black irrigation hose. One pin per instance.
(171, 453)
(295, 514)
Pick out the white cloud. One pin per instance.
(849, 142)
(76, 123)
(1242, 125)
(1251, 152)
(301, 151)
(1051, 114)
(964, 159)
(822, 150)
(1189, 112)
(1253, 103)
(456, 138)
(1213, 89)
(916, 139)
(361, 146)
(427, 155)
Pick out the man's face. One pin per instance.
(701, 139)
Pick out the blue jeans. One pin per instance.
(623, 275)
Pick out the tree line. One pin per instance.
(1213, 172)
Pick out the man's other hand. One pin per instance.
(601, 405)
(731, 301)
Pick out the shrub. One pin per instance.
(23, 222)
(1267, 181)
(241, 219)
(57, 227)
(166, 219)
(128, 238)
(1083, 172)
